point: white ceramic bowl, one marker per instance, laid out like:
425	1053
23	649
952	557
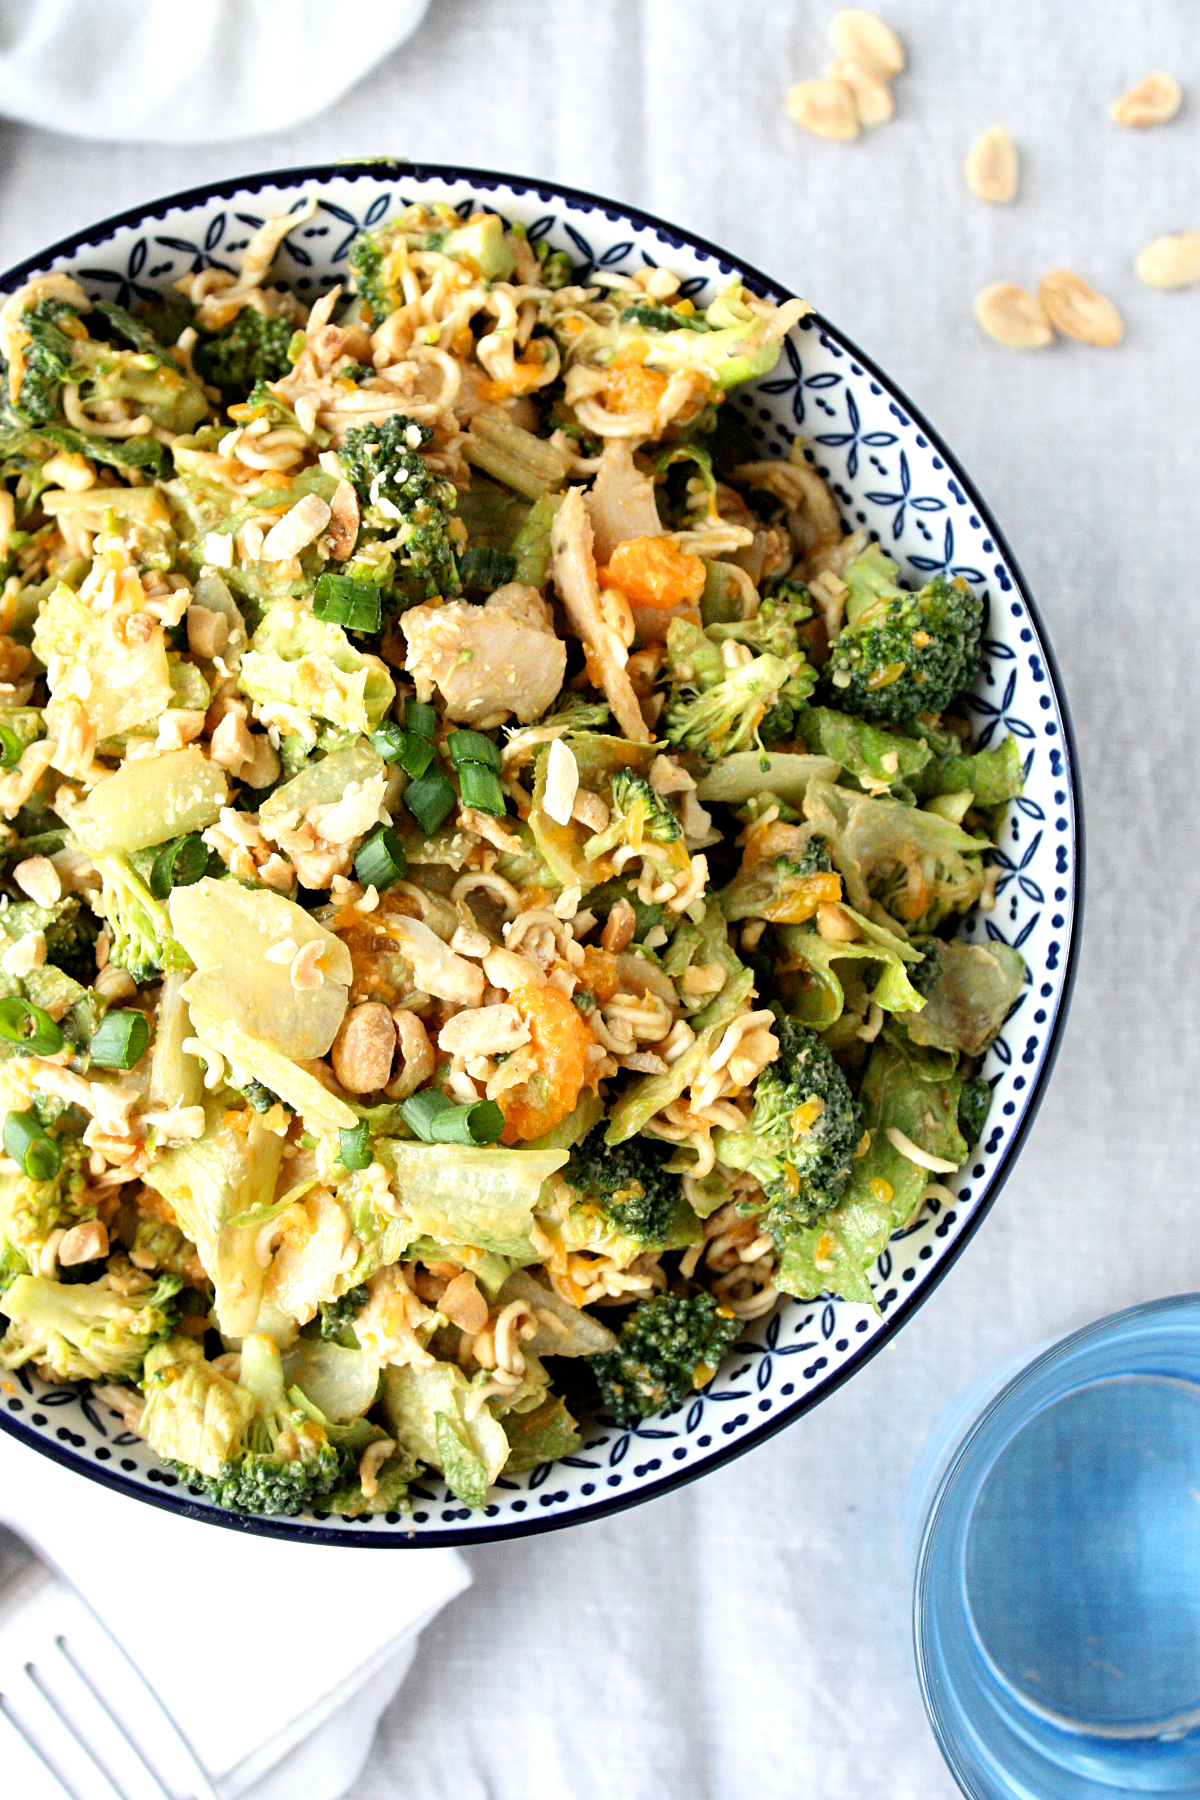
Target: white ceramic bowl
891	473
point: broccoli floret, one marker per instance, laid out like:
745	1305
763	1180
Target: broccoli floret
773	632
401	496
902	654
142	940
727	716
253	1446
669	1347
70	930
637	813
765	889
370	260
730	342
814	859
53	331
924	975
803	1132
249	349
337	1316
627	1182
31	1210
85	1331
259	1097
558	271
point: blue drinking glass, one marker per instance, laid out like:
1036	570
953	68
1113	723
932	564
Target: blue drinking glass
1053	1533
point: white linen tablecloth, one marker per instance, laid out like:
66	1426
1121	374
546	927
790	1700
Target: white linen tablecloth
749	1637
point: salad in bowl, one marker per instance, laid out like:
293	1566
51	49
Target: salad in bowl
483	847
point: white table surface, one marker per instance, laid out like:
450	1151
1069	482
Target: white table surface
749	1636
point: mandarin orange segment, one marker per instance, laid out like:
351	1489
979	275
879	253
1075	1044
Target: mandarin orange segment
599	973
654	571
630	388
560	1040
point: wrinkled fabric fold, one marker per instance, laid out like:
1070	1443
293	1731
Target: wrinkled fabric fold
274	1704
149	71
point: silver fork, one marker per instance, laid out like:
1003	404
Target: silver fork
76	1717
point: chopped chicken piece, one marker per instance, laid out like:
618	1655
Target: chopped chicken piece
487	661
621	502
579	591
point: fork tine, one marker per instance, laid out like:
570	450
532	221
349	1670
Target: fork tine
202	1788
68	1726
64	1650
29	1744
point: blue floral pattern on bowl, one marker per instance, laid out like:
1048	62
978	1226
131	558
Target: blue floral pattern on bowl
891	474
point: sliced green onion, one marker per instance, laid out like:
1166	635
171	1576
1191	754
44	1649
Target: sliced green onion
11	747
421	1109
472	746
479	1124
420	718
437	1120
417	756
120	1039
31	1147
430	800
481	788
178	864
381	860
483	567
396	745
340	600
388	740
28	1026
355	1147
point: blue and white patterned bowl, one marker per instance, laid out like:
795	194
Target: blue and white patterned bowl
892	474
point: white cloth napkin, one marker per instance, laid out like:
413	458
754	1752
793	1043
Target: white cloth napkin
138	71
287	1653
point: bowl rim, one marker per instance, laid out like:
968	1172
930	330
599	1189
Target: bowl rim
396	1537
